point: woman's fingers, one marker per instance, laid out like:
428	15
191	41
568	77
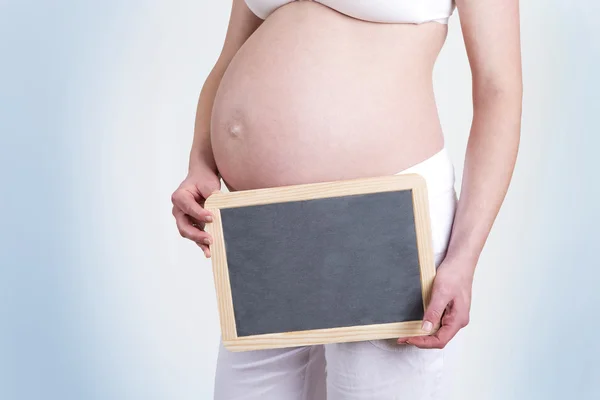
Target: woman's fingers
188	208
197	224
454	319
201	225
186	202
205	249
433	315
188	230
438	340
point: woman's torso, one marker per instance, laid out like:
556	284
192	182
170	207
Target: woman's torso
314	95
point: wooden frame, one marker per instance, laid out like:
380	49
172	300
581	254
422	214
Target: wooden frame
399	182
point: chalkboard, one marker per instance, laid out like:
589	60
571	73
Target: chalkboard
323	262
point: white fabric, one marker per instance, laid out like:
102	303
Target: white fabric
369	370
386	11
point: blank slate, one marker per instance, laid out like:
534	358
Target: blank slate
323	262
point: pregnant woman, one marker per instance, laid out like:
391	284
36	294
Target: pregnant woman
325	90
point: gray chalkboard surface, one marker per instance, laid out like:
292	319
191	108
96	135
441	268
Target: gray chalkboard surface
340	261
323	263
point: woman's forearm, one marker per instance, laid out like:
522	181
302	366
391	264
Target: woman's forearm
489	163
201	154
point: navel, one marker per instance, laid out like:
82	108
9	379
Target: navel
235	129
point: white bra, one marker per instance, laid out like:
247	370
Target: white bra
388	11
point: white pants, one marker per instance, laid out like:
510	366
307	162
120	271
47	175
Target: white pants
376	369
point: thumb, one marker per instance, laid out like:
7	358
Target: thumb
209	186
210	192
435	310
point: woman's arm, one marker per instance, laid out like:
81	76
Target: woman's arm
491	33
492	38
203	177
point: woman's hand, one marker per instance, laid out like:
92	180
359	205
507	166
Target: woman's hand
188	207
450	304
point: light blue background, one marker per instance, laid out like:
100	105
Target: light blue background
100	298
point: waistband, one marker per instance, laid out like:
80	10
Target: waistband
437	170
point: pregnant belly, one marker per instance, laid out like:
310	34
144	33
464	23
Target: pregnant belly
315	96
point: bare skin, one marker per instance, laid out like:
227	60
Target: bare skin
313	91
312	95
